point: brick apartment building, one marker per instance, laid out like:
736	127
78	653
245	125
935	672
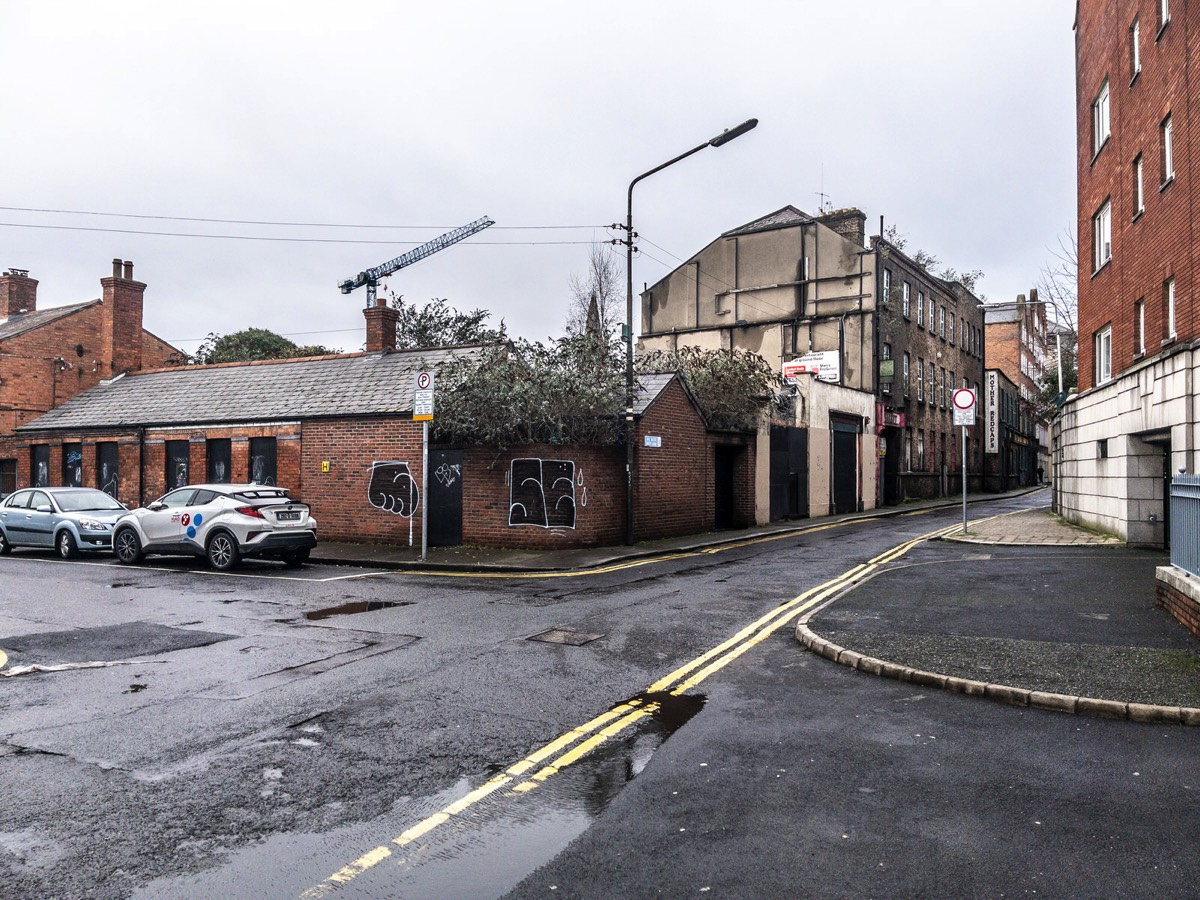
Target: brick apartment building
338	431
1134	420
889	342
1017	345
47	356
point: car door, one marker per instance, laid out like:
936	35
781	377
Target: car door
163	523
40	520
14	515
200	511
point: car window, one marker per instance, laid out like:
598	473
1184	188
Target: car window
78	501
203	497
19	500
181	497
40	499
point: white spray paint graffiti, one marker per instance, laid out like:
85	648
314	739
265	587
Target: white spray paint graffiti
393	489
542	493
448	474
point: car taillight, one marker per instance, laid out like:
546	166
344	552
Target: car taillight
250	511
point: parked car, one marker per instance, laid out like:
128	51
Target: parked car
69	519
223	522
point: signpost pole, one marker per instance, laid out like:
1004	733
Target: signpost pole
964	477
425	489
963	401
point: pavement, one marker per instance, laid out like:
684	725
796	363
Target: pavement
1051	616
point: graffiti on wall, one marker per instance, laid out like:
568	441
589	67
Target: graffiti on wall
448	474
74	468
393	489
544	492
259	471
108	479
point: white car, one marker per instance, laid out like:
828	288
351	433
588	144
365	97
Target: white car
223	522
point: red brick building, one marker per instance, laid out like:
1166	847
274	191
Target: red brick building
48	356
1134	420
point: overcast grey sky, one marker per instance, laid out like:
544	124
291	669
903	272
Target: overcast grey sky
954	120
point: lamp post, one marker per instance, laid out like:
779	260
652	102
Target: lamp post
723	138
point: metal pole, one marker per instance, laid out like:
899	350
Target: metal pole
964	477
424	488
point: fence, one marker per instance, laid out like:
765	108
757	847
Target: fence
1185	523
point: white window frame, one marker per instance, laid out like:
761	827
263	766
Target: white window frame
942	322
906	375
1102	236
1139	322
1135	50
920	309
1139	192
887	287
952	326
932	375
1169	298
920	380
907	299
1102	348
1167	133
1164	14
932	329
1101	118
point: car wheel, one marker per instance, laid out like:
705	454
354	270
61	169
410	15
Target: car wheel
65	543
5	546
128	547
296	558
223	552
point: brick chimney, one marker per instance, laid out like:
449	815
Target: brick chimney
850	223
381	326
121	331
18	293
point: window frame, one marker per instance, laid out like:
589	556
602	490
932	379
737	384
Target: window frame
920	380
1139	328
906	374
906	300
1139	187
1169	309
1166	137
920	309
1135	49
1164	16
1102	236
1101	118
1102	355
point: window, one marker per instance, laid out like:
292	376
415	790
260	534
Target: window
72	465
8	476
886	372
106	468
39	465
1102	236
176	464
929	373
1103	353
887	287
262	460
1169	307
931	326
1135	51
1167	137
220	461
907	297
920	307
951	329
942	322
906	389
1100	119
942	388
1139	194
1102	448
1139	328
920	449
920	380
1164	15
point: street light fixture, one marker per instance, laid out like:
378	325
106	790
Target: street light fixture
720	140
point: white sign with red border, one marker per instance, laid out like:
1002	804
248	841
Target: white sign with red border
825	364
964	406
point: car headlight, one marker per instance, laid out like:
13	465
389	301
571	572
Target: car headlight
93	525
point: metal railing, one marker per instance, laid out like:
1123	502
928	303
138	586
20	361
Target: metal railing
1185	523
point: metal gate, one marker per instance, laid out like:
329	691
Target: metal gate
789	473
445	498
845	466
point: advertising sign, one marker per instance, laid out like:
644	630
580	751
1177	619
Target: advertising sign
991	421
825	364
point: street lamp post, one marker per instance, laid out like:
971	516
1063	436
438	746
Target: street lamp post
723	138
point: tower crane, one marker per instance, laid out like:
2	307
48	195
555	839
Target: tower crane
371	277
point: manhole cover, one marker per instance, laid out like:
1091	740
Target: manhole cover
105	644
563	636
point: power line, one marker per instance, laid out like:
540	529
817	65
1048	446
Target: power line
293	240
88	212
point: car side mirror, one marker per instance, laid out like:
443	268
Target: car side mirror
156	505
45	507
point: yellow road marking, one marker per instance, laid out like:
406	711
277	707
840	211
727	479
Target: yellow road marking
612	722
3	659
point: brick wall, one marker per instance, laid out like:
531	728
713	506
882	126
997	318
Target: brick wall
1147	249
1185	609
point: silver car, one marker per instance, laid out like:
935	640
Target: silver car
69	519
223	522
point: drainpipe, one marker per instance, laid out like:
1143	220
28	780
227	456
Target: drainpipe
141	466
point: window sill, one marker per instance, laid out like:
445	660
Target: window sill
1137	215
1166	184
1139	356
1100	149
1103	266
1161	29
1168	341
1133	80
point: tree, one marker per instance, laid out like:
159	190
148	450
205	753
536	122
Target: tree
602	288
252	344
733	388
1058	288
438	324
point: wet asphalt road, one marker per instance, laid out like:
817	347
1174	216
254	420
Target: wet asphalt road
282	749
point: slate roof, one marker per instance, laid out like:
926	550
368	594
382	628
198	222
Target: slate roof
781	218
362	384
15	325
648	388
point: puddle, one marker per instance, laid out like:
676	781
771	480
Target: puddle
481	852
359	606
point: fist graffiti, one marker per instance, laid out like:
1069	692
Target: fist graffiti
393	489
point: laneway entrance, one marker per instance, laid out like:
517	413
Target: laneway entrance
724	493
845	464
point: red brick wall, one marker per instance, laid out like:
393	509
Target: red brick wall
1182	607
1156	245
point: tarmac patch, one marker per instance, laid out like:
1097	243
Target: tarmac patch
105	643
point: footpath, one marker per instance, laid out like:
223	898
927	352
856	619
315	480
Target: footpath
1050	615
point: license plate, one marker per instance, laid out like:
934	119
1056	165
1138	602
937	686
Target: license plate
288	516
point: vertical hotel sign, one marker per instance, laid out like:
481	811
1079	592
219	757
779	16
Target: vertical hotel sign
991	422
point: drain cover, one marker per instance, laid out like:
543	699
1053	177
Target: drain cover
563	636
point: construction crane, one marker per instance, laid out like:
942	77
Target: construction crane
371	277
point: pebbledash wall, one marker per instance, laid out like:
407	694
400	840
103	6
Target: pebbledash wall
334	464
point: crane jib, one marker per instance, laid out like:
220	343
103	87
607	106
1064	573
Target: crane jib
371	276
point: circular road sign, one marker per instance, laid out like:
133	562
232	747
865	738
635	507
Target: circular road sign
423	381
964	398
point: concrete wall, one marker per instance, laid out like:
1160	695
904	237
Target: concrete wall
816	403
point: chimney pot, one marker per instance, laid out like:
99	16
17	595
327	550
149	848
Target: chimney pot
128	270
116	268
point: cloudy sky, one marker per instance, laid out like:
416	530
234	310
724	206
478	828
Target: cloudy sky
158	132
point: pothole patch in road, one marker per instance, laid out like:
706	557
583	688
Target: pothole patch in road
565	636
358	606
105	643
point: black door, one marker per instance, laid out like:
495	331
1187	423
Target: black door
445	498
725	465
894	442
107	476
845	468
789	473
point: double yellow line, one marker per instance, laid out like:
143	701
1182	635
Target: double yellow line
581	740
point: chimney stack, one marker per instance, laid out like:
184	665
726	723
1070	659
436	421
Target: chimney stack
18	293
121	331
850	223
381	326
